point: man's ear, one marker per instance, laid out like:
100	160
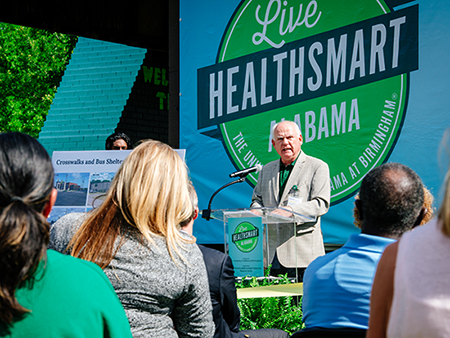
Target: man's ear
421	216
51	202
358	206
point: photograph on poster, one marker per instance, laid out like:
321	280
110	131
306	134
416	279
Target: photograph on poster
72	189
99	184
82	178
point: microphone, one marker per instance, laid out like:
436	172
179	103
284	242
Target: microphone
206	214
245	172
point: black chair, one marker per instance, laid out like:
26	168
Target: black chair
317	332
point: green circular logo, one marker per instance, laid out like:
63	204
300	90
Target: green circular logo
340	71
245	237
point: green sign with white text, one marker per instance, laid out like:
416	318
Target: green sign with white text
339	70
246	246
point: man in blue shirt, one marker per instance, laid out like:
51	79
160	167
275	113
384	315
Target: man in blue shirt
337	286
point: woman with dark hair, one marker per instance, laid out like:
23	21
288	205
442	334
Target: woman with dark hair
44	293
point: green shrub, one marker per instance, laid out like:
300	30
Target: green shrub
282	313
32	63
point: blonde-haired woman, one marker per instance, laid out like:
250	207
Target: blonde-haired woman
157	271
411	289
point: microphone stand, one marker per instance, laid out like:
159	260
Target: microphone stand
206	213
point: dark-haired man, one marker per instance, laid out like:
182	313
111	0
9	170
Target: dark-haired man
337	286
118	141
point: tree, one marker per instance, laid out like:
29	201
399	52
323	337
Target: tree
32	63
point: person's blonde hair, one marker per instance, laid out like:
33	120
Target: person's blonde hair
194	200
149	192
428	200
444	210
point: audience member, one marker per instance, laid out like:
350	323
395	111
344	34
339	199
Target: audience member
411	290
222	288
157	271
428	206
118	141
337	286
44	293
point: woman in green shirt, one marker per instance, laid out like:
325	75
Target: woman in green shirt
44	293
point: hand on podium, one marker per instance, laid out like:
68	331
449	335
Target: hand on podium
282	212
257	212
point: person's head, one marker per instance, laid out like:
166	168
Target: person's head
390	200
187	225
428	207
287	141
26	199
150	193
118	141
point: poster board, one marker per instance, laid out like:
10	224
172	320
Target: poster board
83	177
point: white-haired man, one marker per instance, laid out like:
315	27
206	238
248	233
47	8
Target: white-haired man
300	183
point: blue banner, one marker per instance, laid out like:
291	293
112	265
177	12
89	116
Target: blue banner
366	81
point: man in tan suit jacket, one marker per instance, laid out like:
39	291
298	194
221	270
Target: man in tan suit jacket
306	191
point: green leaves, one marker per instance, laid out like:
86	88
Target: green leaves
32	63
282	313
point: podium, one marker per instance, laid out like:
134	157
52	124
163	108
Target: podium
251	236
